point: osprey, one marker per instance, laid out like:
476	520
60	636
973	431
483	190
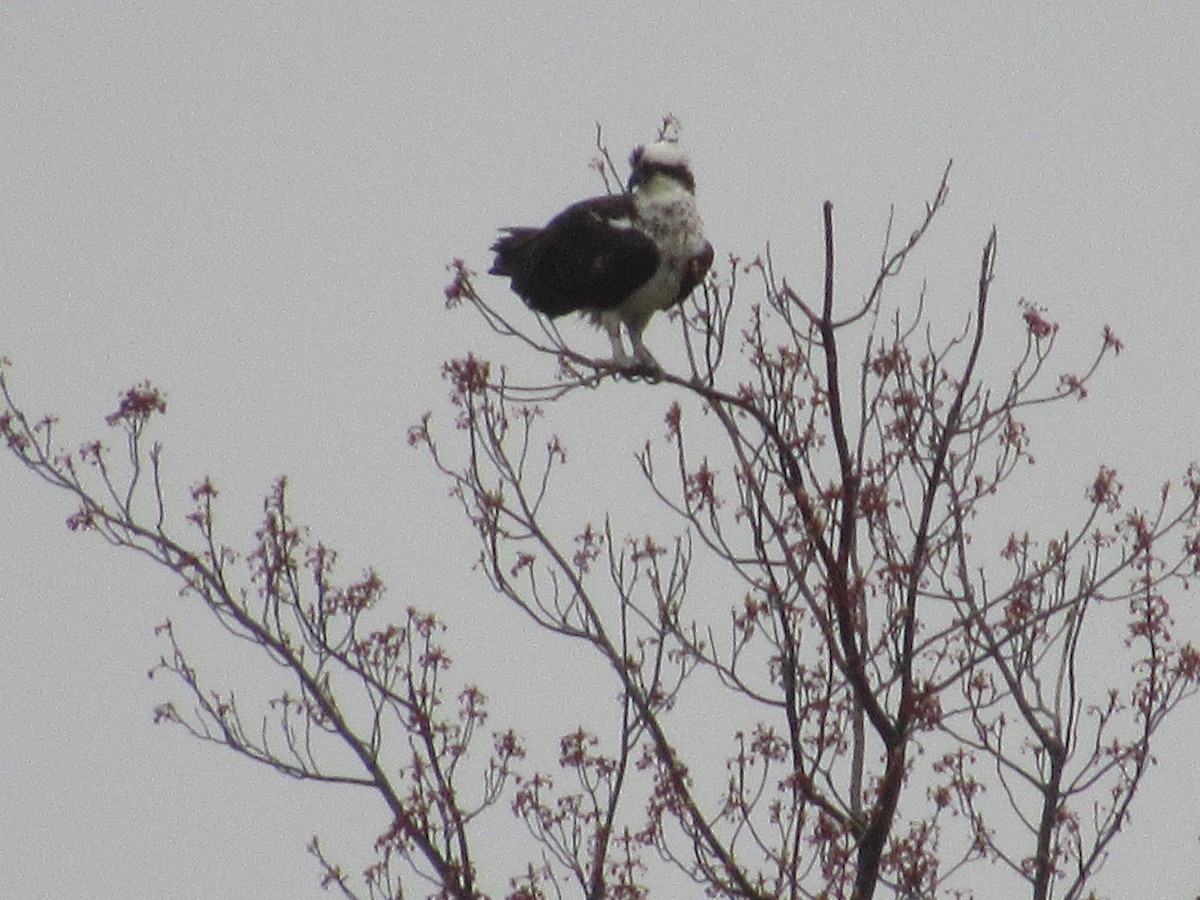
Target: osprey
618	259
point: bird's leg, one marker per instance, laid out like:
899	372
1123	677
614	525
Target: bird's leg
640	354
612	325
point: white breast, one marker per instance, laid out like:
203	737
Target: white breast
667	212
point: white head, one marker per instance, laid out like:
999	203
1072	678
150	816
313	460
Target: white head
660	158
667	154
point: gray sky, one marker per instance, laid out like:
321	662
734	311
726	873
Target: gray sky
253	204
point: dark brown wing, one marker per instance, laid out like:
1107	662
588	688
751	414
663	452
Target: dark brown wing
587	258
694	271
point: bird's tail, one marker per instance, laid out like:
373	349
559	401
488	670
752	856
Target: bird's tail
513	252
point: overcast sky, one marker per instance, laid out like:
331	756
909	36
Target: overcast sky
252	204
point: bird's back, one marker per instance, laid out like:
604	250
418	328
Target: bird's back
589	257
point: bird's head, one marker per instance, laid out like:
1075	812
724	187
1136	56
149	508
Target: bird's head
661	159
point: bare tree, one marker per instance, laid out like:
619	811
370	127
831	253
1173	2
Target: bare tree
903	704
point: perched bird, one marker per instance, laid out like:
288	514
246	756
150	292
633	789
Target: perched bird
618	259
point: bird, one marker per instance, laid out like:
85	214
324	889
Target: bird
619	258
